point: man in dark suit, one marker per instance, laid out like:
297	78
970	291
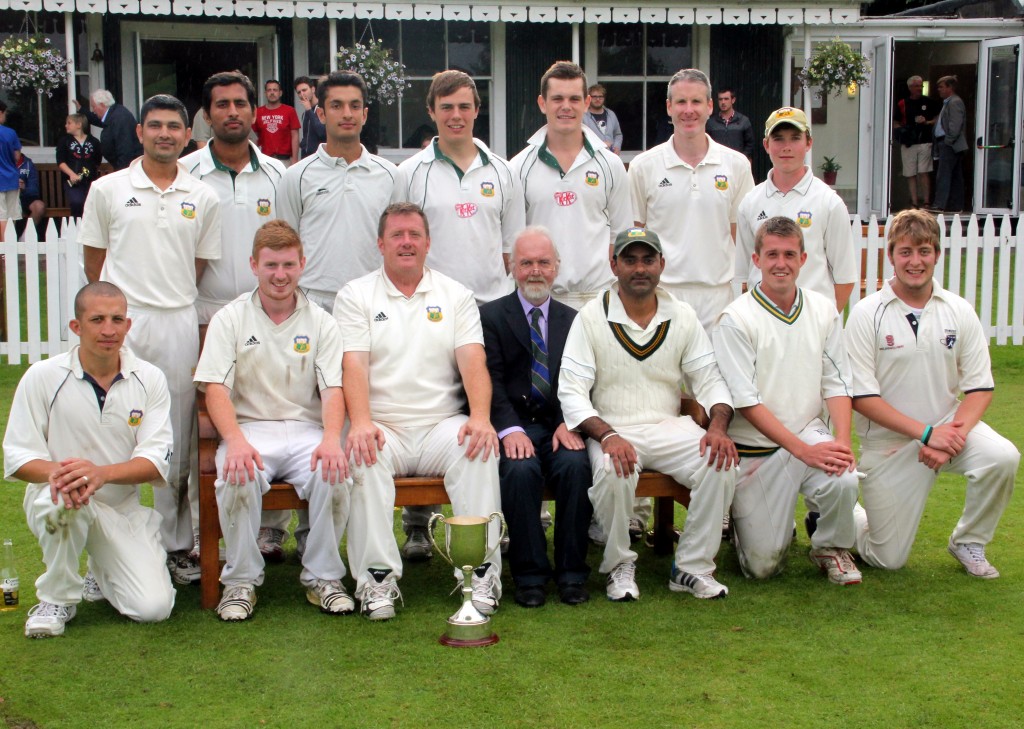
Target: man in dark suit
119	140
524	334
950	145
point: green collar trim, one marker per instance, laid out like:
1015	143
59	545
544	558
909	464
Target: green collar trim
636	351
768	306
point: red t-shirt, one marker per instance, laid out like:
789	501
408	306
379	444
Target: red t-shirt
274	129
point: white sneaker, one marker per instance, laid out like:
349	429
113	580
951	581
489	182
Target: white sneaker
622	583
271	543
486	589
417	545
184	568
194	553
47	620
330	597
596	534
378	599
237	603
705	587
91	591
637	528
972	557
545	518
837	563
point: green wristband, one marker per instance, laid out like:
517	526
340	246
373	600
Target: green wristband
927	435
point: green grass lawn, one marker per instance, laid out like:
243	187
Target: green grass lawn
927	646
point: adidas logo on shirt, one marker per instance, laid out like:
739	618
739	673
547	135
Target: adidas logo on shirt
133	203
381	316
762	216
251	341
665	183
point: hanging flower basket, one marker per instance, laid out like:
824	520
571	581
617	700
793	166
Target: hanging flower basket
384	76
833	67
30	63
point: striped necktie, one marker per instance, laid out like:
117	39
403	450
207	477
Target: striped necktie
540	377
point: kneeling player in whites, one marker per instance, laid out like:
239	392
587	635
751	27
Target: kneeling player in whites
271	370
914	348
630	354
780	349
86	428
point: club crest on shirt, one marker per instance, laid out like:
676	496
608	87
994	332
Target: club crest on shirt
134	418
434	313
803	219
949	339
487	189
188	210
890	343
721	182
263	206
591	178
301	344
465	210
565	199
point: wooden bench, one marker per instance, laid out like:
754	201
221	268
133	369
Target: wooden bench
51	188
408	492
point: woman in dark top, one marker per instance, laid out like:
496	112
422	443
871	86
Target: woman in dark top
78	156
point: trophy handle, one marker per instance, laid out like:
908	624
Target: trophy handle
504	531
434	518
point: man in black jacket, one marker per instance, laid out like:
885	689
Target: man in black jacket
119	140
524	334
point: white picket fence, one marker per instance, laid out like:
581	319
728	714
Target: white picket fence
997	292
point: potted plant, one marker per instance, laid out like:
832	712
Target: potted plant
830	170
833	66
30	63
384	76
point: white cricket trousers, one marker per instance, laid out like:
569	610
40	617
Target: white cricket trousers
672	447
286	448
169	339
897	486
432	450
766	494
707	301
125	554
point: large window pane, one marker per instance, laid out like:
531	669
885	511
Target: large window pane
423	47
415	119
23	106
318	45
668	49
626	99
469	48
620	49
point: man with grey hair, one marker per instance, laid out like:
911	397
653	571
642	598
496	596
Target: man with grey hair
119	142
524	334
915	116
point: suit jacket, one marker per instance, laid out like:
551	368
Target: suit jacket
119	142
953	117
509	360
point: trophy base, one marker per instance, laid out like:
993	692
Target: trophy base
468	629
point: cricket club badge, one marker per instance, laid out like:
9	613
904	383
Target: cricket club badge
591	178
487	189
135	418
803	219
949	338
263	206
301	344
721	182
188	210
434	313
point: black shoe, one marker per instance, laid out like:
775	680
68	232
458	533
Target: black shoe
530	596
811	523
573	593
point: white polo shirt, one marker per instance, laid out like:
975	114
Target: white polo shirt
152	236
922	375
825	221
56	415
474	215
414	378
691	209
584	207
335	206
789	361
248	199
274	371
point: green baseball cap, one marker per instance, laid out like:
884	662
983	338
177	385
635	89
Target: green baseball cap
636	235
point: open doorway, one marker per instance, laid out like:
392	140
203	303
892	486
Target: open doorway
931	60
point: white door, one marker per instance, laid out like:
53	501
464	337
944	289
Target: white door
997	154
880	131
